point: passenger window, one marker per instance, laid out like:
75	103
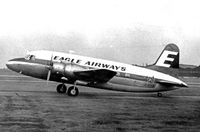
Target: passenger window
127	75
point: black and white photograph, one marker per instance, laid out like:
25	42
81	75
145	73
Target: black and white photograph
99	66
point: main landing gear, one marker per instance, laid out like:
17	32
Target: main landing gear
71	91
61	88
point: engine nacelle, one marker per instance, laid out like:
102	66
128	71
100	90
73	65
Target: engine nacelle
67	70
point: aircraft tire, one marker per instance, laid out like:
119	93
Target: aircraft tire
61	88
159	94
72	91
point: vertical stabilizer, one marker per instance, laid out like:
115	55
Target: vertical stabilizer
169	57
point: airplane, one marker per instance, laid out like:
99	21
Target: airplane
76	70
168	62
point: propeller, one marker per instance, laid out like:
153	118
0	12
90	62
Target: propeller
50	68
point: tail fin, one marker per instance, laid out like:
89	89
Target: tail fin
169	57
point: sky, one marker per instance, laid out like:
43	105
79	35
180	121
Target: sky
129	31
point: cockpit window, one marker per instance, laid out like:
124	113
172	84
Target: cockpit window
27	57
30	57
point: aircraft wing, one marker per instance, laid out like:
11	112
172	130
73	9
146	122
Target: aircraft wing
96	75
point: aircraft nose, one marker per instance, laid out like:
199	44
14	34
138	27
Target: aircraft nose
9	64
13	65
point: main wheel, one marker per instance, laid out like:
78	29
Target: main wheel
72	91
61	88
159	94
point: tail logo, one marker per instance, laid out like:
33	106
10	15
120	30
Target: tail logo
166	58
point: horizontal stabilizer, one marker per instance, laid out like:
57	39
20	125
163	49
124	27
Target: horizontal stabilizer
169	83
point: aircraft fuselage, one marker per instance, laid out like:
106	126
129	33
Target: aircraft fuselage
128	78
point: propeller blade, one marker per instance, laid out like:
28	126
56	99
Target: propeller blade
48	76
50	68
51	61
